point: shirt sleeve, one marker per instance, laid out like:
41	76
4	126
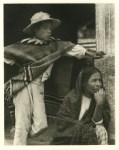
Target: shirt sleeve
9	61
98	122
102	135
77	51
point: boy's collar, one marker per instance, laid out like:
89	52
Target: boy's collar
37	41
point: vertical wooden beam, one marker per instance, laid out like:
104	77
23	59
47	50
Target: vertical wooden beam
105	28
100	30
112	28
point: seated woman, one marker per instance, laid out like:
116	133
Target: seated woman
84	116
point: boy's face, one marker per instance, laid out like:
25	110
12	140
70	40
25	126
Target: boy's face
43	31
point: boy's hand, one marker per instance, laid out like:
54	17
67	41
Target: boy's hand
95	54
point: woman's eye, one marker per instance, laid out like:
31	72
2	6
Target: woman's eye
94	80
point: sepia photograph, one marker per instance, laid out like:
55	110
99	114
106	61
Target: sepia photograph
59	74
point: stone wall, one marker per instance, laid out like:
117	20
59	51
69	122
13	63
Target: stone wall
107	67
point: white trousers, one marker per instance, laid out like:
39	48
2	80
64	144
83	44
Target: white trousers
30	112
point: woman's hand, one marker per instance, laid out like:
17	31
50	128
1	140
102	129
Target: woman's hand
100	97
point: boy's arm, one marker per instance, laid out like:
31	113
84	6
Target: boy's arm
80	52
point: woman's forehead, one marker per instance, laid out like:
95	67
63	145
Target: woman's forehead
95	75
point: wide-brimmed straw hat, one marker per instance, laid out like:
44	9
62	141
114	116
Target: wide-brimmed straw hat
41	17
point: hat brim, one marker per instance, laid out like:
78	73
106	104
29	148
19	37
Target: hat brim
29	28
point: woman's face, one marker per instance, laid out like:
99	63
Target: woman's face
43	31
94	84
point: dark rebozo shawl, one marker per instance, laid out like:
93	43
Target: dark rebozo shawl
33	61
80	132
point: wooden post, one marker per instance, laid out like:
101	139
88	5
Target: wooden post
105	28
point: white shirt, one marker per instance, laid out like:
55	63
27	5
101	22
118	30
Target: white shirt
85	103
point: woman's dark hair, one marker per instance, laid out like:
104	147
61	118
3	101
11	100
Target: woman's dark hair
86	74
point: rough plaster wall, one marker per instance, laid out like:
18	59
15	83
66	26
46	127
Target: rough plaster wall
106	65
